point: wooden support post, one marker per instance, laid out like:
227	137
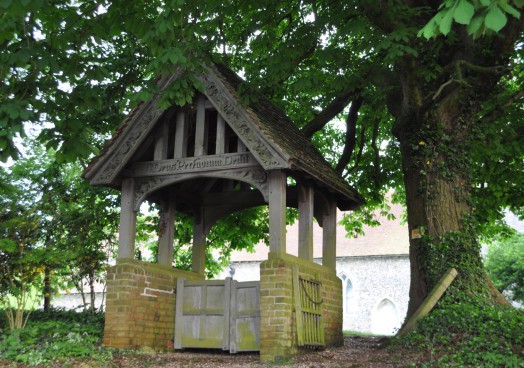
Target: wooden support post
180	135
305	221
329	236
220	147
161	141
430	301
166	232
199	245
127	229
201	129
277	212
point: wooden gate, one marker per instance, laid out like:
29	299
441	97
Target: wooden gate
308	310
218	314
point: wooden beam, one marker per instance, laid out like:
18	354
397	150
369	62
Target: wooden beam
430	301
329	236
166	231
127	228
161	141
305	220
277	212
199	245
181	135
201	129
220	146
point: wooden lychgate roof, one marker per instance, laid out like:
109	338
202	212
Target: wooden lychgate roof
237	137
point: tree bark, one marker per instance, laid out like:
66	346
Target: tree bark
351	131
92	291
436	167
47	289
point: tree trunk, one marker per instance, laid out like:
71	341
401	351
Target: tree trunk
436	168
92	291
80	288
47	290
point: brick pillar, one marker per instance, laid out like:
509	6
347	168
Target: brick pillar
276	311
332	309
278	340
140	306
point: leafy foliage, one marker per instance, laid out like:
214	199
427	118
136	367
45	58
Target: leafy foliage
505	266
479	16
56	337
470	335
75	67
53	222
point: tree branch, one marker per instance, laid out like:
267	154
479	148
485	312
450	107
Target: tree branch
333	109
361	138
376	158
351	129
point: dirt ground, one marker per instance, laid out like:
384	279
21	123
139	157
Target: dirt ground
358	351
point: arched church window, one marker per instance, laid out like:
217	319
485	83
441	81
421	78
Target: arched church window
349	295
385	319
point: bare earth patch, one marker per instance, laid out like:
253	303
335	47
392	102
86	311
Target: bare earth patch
358	351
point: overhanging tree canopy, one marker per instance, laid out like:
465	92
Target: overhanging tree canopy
453	103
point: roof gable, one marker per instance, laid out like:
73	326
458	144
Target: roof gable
259	134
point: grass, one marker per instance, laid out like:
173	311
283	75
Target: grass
358	333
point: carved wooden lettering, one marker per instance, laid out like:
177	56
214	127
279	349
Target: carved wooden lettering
193	164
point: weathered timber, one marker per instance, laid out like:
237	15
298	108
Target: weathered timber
305	220
277	212
430	301
193	164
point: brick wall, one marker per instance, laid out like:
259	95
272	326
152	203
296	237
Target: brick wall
140	306
278	340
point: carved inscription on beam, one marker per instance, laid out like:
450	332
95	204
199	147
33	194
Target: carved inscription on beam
193	164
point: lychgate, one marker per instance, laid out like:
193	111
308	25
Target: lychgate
209	159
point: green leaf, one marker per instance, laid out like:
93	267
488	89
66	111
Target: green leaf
430	30
509	9
25	114
5	3
495	19
475	25
173	57
463	12
445	23
13	112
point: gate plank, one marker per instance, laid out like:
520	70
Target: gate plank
223	314
245	316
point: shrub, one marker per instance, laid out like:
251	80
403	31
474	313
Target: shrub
55	336
470	335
